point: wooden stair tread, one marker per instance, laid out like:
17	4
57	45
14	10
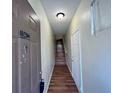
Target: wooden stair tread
61	81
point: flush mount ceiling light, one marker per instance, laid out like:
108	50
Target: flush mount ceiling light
60	15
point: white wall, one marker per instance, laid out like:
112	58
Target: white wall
96	50
47	42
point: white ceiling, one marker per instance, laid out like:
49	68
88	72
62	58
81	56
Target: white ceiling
52	7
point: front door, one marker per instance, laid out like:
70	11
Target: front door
24	66
35	67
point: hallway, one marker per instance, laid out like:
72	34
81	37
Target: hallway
61	46
61	81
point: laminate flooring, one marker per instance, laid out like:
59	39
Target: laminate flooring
62	81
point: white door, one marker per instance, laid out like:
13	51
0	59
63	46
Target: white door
75	49
24	66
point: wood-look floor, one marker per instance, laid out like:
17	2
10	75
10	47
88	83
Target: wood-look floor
61	81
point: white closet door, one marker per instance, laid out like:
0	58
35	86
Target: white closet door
76	58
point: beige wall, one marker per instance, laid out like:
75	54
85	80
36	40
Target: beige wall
96	50
47	43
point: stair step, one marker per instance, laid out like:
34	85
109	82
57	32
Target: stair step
60	63
60	60
71	88
60	57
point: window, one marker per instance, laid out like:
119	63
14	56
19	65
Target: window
93	17
100	15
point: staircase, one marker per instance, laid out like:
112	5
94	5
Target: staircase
60	55
61	81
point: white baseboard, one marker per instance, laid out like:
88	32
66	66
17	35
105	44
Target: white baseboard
69	68
72	76
46	90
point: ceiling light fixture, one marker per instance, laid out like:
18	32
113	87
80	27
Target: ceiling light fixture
60	15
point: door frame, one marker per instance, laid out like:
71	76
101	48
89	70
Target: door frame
81	59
